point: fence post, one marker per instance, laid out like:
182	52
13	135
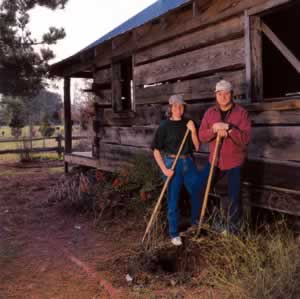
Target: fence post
59	147
67	118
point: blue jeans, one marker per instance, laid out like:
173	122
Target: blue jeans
234	187
187	174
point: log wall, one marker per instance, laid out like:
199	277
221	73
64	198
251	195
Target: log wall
187	54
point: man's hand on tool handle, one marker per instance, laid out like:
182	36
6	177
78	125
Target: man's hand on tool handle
222	133
220	126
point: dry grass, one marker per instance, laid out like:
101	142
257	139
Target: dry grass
254	265
261	264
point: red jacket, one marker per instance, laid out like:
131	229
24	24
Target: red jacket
233	149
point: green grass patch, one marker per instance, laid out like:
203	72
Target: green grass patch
54	170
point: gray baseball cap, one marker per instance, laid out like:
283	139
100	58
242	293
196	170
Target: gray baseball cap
176	99
223	85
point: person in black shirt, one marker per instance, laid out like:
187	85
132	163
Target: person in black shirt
165	145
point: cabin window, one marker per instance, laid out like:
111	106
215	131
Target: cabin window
122	85
275	51
280	76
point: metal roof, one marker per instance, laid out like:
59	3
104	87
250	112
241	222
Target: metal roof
153	11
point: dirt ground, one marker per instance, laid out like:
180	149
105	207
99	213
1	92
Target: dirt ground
48	252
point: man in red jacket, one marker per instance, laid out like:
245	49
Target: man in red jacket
232	123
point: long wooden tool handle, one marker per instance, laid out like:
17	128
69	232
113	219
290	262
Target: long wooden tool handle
156	208
211	171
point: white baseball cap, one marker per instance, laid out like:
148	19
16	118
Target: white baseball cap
223	85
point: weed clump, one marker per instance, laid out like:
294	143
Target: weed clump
255	265
106	195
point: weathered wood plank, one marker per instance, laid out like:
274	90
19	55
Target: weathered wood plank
274	142
230	29
280	143
210	59
135	136
248	63
258	117
103	54
75	69
276	117
265	172
257	172
256	59
199	6
153	114
275	106
124	44
267	6
114	157
196	89
261	114
282	202
116	87
81	159
142	116
177	23
258	178
102	76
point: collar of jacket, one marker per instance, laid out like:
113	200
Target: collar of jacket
217	108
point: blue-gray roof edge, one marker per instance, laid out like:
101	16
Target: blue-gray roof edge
150	13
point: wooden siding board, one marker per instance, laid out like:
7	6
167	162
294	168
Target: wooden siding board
116	87
275	142
211	35
153	114
210	59
103	55
268	5
276	117
103	76
178	23
256	59
256	172
124	44
200	88
142	116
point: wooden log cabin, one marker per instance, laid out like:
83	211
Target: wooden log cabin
185	47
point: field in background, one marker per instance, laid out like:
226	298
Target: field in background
25	131
5	134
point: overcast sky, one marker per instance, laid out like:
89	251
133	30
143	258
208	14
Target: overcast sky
84	21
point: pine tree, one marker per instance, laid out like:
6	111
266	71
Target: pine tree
22	66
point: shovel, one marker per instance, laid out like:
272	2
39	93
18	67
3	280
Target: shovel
211	172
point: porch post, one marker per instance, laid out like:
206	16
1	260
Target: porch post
67	118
